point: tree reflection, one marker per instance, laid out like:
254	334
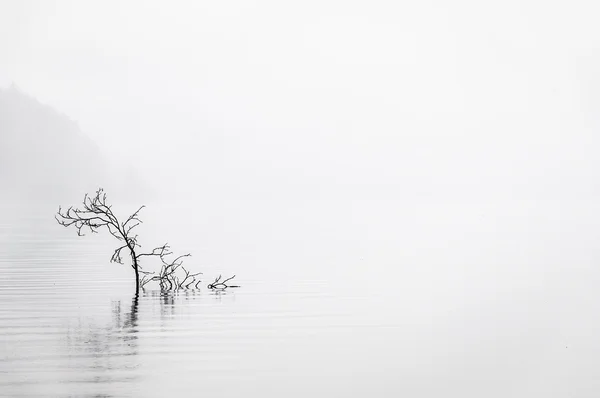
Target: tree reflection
106	355
168	300
127	321
104	349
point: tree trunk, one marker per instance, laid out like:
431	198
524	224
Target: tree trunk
135	268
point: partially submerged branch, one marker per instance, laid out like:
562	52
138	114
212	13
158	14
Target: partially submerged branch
221	285
168	277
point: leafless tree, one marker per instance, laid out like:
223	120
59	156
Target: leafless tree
97	214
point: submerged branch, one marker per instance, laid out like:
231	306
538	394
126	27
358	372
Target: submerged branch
221	285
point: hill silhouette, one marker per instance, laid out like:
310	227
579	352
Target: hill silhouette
43	153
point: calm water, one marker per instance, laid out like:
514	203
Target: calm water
352	299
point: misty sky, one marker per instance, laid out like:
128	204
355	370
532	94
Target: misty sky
336	101
396	98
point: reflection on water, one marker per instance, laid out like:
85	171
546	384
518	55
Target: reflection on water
109	351
98	348
385	311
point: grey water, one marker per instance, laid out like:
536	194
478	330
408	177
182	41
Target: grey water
352	298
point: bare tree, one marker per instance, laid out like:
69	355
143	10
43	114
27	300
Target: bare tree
97	214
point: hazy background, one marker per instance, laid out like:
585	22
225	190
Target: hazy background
323	98
431	168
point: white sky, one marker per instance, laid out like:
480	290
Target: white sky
258	96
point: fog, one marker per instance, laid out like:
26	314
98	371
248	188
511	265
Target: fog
444	153
232	98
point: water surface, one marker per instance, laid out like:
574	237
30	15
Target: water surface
352	299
